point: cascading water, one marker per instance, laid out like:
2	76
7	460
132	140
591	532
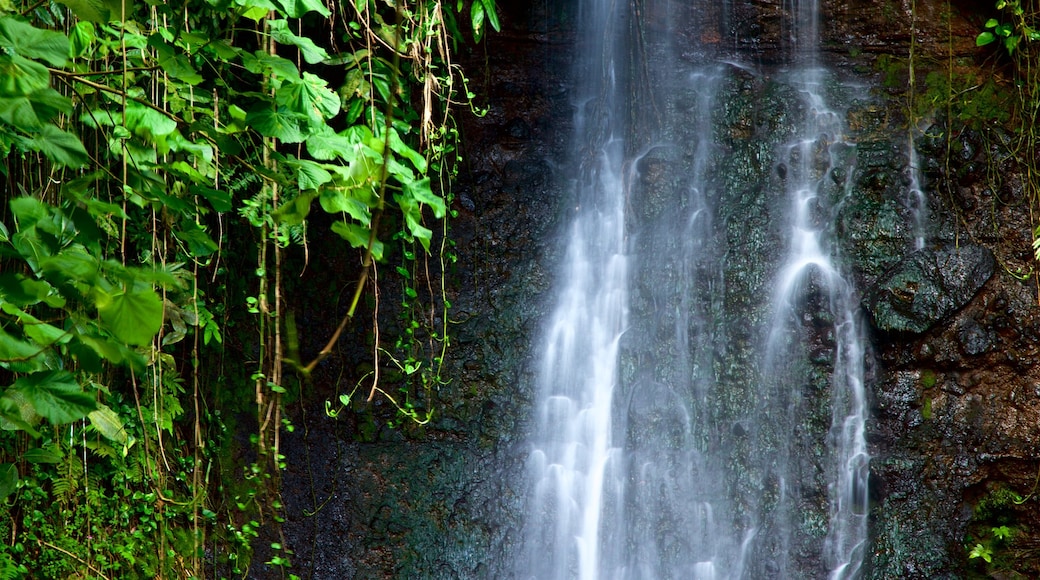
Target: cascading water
917	200
635	471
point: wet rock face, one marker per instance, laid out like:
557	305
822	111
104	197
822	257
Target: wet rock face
955	386
927	286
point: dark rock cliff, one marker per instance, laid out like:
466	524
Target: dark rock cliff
955	386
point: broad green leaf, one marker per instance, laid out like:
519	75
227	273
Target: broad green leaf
297	8
46	454
147	122
28	210
420	191
256	9
278	123
310	97
8	479
133	316
26	40
199	243
16	412
72	263
398	146
357	236
20	76
81	38
339	199
44	334
61	147
263	63
108	423
30	112
297	210
56	396
21	291
326	145
112	351
28	243
310	175
173	62
311	52
219	200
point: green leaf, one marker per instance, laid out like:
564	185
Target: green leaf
108	423
339	199
21	291
476	15
20	76
398	146
219	200
309	174
60	147
199	243
44	334
297	8
148	123
295	211
133	317
279	123
72	263
46	454
8	479
357	236
421	192
491	12
311	52
992	23
31	42
326	145
56	396
310	97
13	350
17	413
99	11
174	63
81	38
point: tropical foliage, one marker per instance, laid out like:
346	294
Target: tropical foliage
159	161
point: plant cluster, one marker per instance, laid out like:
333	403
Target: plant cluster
136	137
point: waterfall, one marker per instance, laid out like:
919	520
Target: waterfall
917	201
647	460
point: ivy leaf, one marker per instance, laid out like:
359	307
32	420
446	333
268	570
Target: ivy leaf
61	147
31	42
357	236
175	64
279	123
133	317
311	52
56	396
294	212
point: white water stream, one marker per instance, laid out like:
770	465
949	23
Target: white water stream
630	477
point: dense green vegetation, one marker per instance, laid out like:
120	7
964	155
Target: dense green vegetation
159	161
